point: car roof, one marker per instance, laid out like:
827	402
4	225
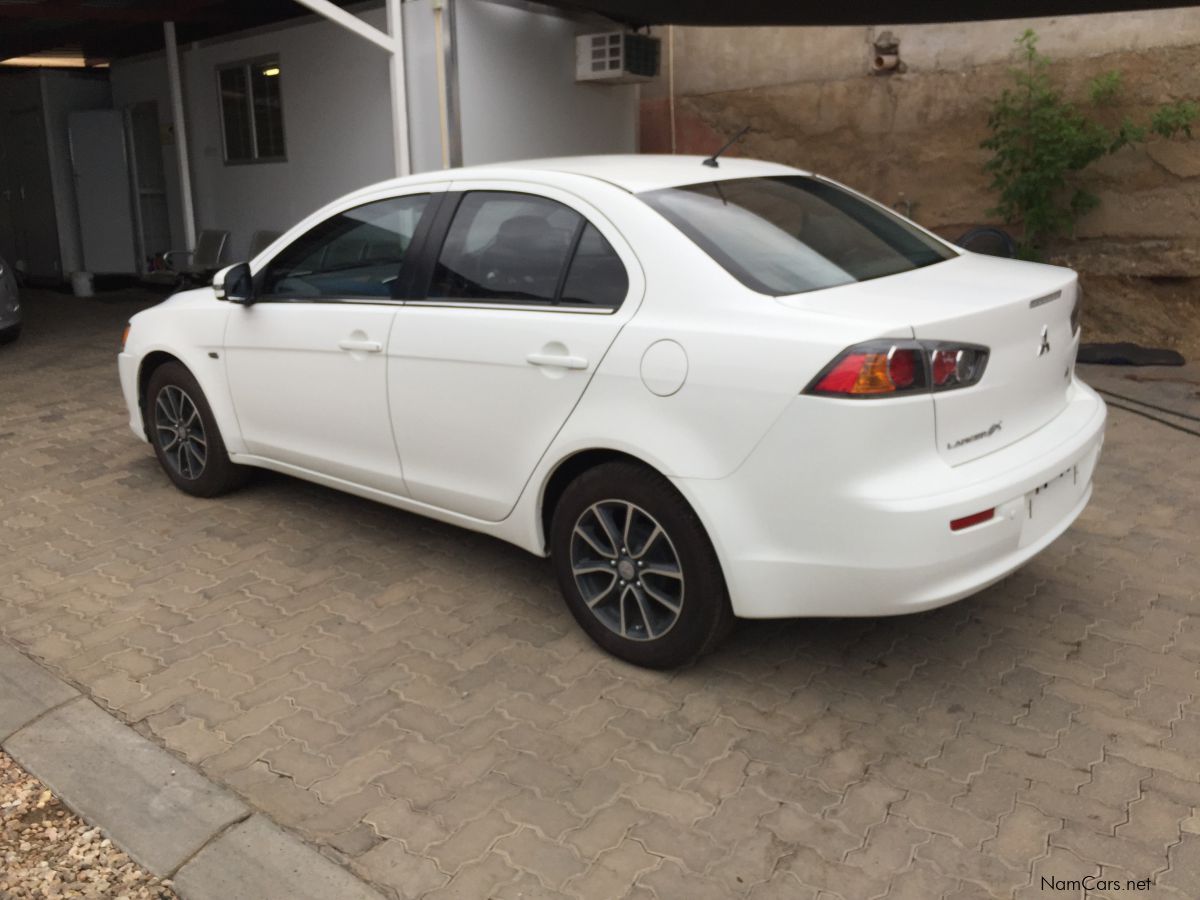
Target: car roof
634	172
647	172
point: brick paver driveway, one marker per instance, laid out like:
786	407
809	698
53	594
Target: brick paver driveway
416	699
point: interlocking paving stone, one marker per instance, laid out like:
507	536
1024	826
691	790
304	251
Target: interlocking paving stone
417	698
155	807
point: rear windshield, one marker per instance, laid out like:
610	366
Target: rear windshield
791	233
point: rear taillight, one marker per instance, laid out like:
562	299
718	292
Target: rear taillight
1077	310
888	368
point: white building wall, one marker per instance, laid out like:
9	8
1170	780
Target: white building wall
516	81
336	123
520	100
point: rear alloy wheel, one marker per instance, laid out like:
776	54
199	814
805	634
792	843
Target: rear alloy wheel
184	433
626	570
636	567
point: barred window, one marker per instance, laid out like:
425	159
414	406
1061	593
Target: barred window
251	111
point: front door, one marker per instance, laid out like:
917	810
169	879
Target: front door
306	362
527	293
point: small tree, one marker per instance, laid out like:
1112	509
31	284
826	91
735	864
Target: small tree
1040	140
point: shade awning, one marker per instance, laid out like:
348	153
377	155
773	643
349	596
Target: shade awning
844	12
116	28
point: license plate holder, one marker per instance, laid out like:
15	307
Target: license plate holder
1049	496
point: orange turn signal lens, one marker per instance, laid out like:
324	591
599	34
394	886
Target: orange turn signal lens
124	337
873	376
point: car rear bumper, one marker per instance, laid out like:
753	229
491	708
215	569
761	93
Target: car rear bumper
798	534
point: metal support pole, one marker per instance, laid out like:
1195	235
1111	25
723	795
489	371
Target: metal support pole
439	41
671	82
395	21
181	146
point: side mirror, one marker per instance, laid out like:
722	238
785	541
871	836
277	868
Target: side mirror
235	284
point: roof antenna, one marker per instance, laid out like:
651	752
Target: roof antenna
711	162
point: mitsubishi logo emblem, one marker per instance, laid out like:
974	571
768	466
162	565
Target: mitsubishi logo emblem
1045	345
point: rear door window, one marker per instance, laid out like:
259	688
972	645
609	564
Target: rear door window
511	248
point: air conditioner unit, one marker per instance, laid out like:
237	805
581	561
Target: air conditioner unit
616	57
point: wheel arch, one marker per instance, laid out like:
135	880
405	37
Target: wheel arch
575	464
567	470
150	363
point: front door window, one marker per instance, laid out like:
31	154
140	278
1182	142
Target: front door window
354	254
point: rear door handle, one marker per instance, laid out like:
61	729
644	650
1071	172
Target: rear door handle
360	345
554	359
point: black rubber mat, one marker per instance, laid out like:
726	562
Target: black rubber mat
1128	354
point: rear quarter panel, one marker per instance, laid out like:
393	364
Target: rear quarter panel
748	357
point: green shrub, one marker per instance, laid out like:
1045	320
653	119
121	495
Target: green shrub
1040	140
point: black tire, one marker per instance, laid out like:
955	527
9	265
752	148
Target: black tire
635	626
198	464
8	335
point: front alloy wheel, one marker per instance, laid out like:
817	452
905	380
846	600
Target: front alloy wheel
184	434
179	431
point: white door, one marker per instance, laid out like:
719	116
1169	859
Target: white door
306	362
527	293
100	162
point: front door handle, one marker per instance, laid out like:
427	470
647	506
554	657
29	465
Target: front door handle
360	345
556	360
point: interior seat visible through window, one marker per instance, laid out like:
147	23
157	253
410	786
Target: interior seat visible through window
507	247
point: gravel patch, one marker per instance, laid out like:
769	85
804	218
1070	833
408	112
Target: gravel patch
46	851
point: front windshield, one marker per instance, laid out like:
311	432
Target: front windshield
792	233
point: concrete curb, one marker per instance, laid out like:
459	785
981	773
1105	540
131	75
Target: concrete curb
162	812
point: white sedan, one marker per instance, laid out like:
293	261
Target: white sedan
704	392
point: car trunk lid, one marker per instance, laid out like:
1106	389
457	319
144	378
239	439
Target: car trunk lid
1020	311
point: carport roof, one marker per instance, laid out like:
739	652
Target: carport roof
116	28
844	12
111	29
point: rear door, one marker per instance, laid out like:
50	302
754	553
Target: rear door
526	290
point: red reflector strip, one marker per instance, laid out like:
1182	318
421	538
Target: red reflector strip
973	519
